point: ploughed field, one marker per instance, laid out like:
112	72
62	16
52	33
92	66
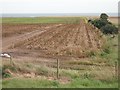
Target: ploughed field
75	40
13	29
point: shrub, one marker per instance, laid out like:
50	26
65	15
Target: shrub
109	29
99	23
6	75
104	25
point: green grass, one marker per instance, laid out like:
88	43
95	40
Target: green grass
44	83
89	83
31	83
110	50
41	20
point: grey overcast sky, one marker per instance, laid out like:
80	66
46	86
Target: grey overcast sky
58	6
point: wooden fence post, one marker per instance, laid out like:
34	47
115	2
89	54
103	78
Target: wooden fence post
57	68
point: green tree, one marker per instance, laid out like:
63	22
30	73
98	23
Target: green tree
104	16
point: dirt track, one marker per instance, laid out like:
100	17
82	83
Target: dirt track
7	42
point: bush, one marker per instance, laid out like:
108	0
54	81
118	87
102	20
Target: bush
109	29
99	23
6	75
104	25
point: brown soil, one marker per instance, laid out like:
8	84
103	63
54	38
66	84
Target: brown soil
15	33
18	29
76	40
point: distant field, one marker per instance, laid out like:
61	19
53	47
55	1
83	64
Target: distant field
34	20
114	20
41	20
